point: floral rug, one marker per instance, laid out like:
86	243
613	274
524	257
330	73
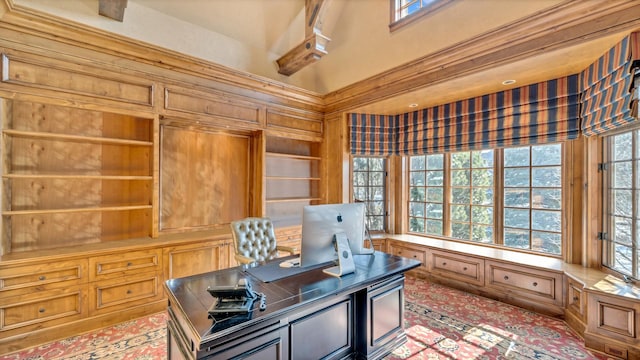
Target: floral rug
140	339
444	323
441	323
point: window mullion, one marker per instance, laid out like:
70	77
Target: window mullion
446	212
498	195
634	210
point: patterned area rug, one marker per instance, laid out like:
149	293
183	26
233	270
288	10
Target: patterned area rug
139	339
444	323
441	323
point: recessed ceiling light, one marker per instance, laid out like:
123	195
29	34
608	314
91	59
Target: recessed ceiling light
508	82
413	105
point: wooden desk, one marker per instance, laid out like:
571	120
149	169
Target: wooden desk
308	316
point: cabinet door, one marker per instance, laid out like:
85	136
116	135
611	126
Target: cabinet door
385	316
197	258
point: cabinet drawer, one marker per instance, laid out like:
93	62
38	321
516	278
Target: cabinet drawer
408	252
575	298
117	265
534	284
464	268
55	306
116	294
26	279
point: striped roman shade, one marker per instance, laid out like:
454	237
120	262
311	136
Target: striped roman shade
373	134
607	86
535	114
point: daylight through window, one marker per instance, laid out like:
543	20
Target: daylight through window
369	176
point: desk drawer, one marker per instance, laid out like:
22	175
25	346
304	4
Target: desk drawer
117	294
27	279
121	264
464	268
531	283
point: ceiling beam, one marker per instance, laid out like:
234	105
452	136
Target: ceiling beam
113	9
314	45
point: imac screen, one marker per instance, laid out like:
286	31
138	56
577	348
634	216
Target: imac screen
321	222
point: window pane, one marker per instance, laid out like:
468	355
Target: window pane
482	159
416	194
360	164
546	177
516	197
368	186
434	211
546	155
460	177
546	220
376	223
360	178
376	178
435	178
434	227
360	193
482	177
546	242
623	259
516	218
416	209
516	238
460	160
482	233
460	212
460	196
622	230
482	196
376	164
547	198
621	145
482	215
460	231
435	194
622	174
622	202
435	162
516	177
516	156
416	224
417	163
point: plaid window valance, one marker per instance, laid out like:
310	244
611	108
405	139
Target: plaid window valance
607	84
539	113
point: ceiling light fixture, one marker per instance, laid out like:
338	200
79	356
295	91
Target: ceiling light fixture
413	105
508	82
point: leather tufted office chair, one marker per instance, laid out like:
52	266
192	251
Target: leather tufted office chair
255	240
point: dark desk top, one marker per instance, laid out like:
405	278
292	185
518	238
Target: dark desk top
190	299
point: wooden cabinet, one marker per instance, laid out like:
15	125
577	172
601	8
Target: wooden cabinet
73	177
292	174
410	251
197	258
576	305
468	269
20	280
613	324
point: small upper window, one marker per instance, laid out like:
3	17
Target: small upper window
406	11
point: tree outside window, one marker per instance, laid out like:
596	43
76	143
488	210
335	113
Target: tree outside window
369	186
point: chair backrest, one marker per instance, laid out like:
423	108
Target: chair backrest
255	238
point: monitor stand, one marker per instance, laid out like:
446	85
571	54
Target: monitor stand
345	258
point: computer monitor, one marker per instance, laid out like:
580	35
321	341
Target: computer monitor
321	222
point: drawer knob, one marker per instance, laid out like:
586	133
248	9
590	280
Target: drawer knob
129	291
575	298
444	263
535	283
41	310
42	277
464	268
129	264
506	277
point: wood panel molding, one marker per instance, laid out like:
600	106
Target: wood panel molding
567	24
22	19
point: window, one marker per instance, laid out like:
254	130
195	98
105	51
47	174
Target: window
406	11
453	195
369	179
621	202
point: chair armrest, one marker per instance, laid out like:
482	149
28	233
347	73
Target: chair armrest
289	249
244	259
